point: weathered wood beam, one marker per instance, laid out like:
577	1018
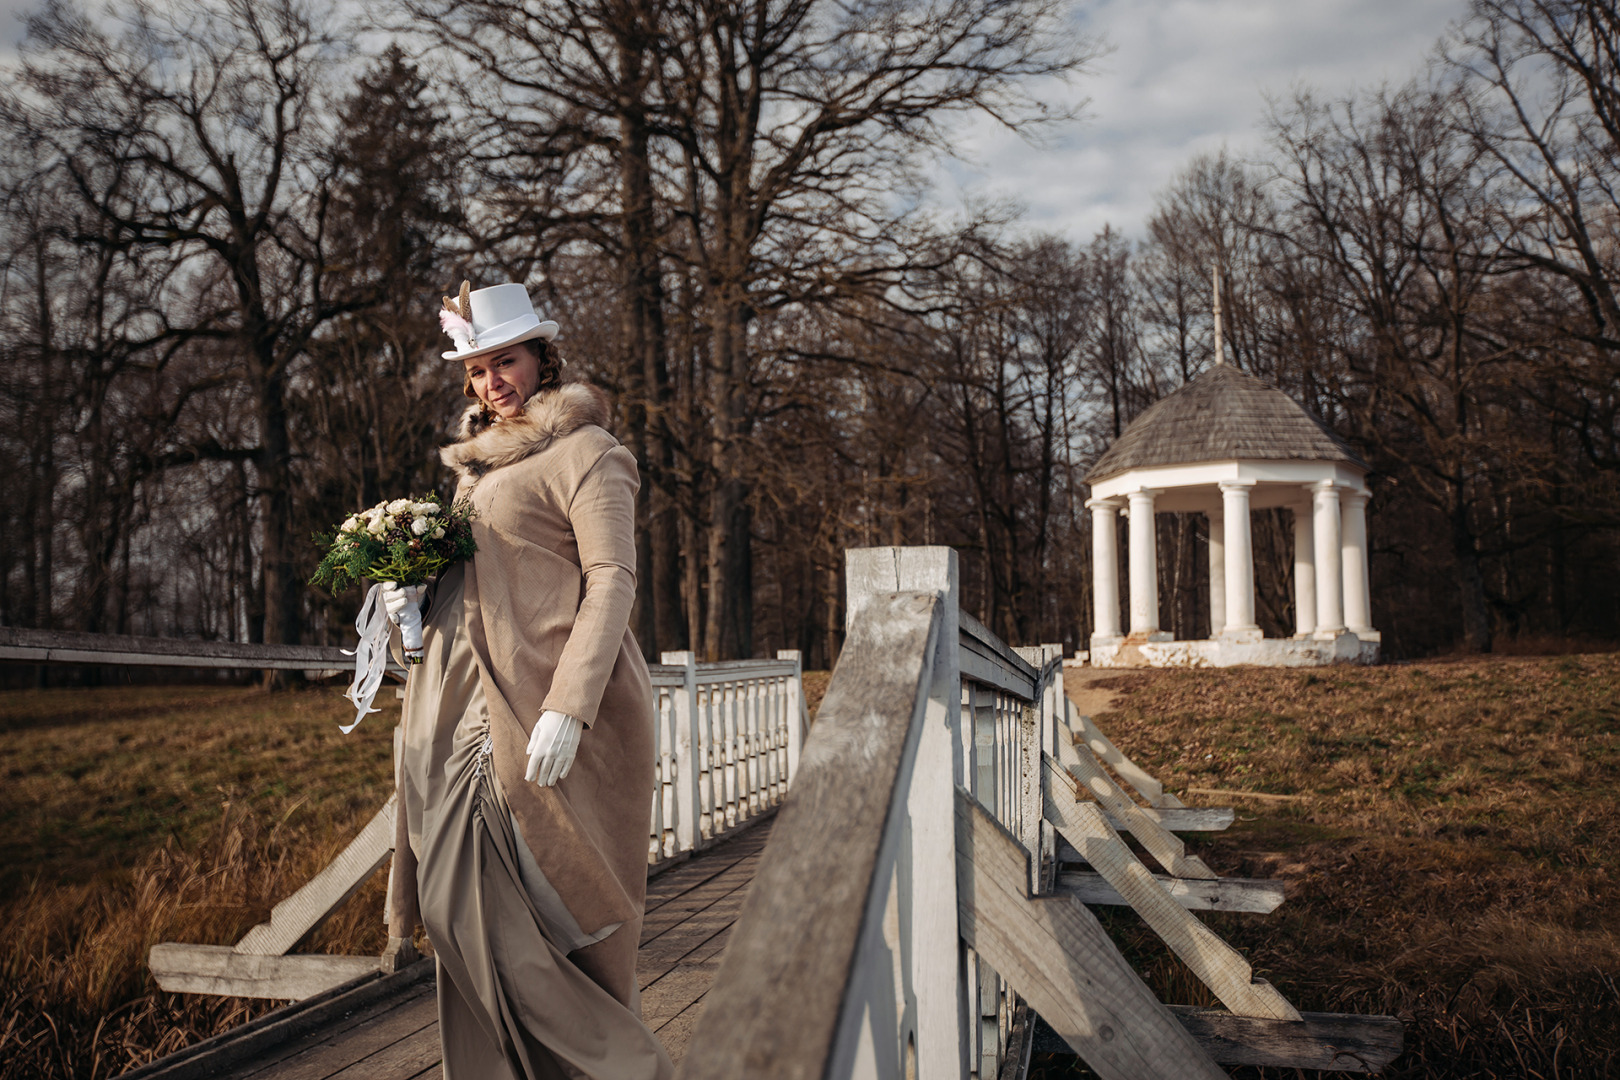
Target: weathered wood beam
1219	966
292	920
775	1008
220	969
1258	896
1332	1042
1020	1044
1056	956
983	665
257	1040
1336	1042
981	636
65	647
922	884
1191	818
1133	774
1077	769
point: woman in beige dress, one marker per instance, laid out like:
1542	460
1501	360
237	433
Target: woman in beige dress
527	771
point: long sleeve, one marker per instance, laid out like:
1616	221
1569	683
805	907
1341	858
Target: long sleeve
603	516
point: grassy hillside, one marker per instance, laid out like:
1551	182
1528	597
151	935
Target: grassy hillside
1449	836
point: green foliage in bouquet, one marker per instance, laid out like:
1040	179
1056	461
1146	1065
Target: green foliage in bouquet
404	540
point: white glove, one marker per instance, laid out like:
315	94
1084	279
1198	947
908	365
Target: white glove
404	606
552	746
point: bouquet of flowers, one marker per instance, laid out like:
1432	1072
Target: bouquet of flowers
405	541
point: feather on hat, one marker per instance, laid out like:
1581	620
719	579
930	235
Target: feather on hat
486	320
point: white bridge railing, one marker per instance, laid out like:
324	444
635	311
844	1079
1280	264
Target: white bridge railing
728	740
924	892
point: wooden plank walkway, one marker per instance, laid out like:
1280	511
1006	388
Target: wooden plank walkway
691	909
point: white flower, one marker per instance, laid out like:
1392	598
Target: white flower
426	508
399	506
377	526
351	524
438	534
419	526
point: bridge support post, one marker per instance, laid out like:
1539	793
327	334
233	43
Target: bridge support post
688	767
797	716
940	1047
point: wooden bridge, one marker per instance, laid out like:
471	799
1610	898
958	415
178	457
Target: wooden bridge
386	1027
916	903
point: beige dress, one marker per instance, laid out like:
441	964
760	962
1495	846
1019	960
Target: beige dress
512	1004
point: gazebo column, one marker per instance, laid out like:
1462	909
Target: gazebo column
1217	572
1329	561
1104	568
1304	572
1144	563
1239	553
1357	594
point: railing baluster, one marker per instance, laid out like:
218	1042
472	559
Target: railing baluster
655	841
713	771
728	718
751	701
725	746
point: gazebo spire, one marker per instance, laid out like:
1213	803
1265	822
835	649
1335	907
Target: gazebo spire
1220	342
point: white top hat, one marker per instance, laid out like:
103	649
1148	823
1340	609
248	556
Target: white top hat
486	320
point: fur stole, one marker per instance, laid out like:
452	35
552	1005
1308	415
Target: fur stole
486	444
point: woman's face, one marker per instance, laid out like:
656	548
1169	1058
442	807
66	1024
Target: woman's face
506	379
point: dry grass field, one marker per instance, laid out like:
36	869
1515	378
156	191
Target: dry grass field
1449	835
1449	838
133	815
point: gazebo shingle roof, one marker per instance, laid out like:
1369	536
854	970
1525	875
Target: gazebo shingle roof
1221	415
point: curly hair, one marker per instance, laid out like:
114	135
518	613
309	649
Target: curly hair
550	369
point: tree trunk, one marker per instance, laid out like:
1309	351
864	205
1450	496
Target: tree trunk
659	623
729	552
282	584
1476	613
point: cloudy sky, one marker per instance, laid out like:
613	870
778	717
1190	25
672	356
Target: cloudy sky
1186	76
1182	76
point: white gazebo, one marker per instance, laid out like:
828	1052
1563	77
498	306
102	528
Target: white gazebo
1223	445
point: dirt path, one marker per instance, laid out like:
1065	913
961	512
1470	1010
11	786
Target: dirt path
1096	690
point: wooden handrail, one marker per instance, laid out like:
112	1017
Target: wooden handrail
729	738
976	632
806	933
67	647
722	671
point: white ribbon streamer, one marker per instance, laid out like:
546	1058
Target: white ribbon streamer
370	656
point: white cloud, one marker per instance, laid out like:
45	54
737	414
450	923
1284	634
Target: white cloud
1187	76
13	14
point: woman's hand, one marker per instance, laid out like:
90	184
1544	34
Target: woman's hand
552	746
404	606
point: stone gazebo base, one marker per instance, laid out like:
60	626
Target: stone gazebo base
1158	650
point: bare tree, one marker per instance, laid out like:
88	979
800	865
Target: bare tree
198	133
1542	100
1395	208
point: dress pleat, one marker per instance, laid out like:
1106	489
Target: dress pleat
512	1005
